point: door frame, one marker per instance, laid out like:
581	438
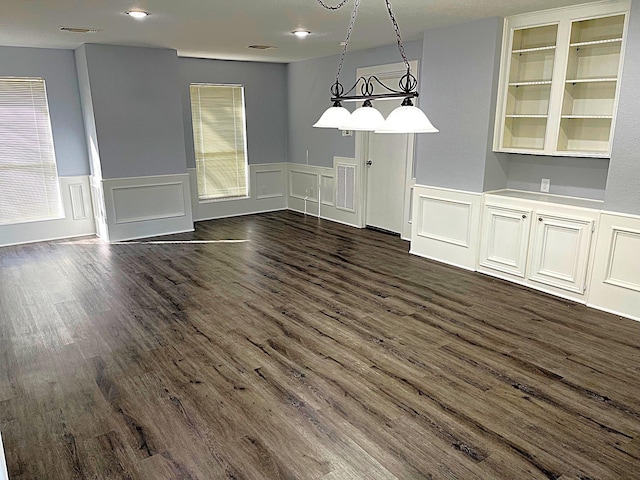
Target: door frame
392	70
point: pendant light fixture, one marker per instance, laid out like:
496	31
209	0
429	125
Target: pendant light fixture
405	119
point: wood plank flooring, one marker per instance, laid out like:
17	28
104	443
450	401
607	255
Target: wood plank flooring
278	346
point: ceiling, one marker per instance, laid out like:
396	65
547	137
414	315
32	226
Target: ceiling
223	29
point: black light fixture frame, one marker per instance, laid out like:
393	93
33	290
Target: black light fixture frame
408	83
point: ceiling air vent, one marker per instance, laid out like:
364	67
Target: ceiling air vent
79	30
261	47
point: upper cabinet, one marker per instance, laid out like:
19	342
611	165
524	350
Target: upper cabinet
559	80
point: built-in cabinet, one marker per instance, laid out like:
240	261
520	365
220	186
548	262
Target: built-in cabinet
559	80
541	241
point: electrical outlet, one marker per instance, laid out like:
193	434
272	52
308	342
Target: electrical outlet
347	133
545	184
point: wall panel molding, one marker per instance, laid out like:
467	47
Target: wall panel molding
446	225
319	185
615	279
140	207
77	221
268	189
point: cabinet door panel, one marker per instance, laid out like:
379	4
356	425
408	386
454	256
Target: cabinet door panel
560	252
505	239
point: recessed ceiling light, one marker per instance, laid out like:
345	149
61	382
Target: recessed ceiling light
137	13
301	33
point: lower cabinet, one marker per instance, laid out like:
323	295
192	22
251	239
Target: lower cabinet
538	244
504	243
560	252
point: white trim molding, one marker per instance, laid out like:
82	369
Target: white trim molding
4	475
267	193
77	220
446	225
615	280
140	207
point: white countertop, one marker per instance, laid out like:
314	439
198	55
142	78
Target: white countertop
548	198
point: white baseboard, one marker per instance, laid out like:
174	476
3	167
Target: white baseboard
141	207
77	221
457	265
267	193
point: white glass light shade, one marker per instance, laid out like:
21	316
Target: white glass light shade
333	117
407	119
364	119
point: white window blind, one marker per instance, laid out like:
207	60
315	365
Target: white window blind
219	139
29	188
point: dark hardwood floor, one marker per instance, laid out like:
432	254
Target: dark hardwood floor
303	349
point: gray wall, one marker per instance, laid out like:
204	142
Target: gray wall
58	69
623	184
575	177
309	83
459	73
137	110
265	91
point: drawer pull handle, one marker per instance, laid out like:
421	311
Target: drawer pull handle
524	216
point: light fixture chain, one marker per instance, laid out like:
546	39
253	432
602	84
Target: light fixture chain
330	7
354	14
398	36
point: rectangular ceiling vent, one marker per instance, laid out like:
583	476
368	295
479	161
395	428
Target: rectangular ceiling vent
80	30
261	47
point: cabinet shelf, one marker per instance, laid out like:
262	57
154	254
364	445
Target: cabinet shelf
587	116
526	116
596	42
531	50
592	80
526	84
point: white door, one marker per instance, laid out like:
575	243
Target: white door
389	163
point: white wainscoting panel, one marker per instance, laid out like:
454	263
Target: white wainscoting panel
446	225
78	205
322	191
615	280
141	207
267	193
303	185
138	203
268	184
327	190
77	221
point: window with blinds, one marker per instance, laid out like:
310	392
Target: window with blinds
29	188
219	138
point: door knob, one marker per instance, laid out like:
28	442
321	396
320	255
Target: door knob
369	163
